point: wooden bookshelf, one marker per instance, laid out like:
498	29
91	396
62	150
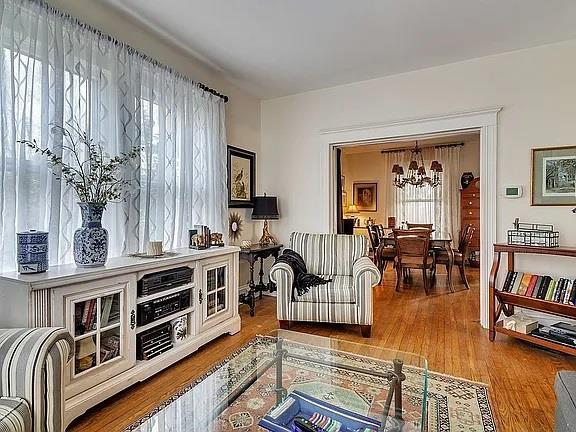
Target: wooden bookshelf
504	302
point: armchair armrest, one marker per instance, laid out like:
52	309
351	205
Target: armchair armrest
283	276
365	275
32	367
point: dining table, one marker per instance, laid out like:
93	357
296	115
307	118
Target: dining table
438	240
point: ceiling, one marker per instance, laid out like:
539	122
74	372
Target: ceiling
430	141
274	48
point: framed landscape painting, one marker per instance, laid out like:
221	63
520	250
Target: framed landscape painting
554	176
366	196
241	177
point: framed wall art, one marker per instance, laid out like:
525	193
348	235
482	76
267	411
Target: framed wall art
241	177
554	176
366	196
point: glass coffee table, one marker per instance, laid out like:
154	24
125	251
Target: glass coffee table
387	387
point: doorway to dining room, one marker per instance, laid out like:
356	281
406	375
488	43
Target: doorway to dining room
418	180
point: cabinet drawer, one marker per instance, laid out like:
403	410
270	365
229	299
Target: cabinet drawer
470	195
470	203
471	213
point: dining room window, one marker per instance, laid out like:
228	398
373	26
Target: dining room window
436	205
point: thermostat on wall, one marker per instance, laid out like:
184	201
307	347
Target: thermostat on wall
512	191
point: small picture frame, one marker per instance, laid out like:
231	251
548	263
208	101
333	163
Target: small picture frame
366	196
554	176
241	177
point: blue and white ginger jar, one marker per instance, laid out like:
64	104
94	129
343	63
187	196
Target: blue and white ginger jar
32	251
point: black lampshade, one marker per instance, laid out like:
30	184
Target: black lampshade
265	207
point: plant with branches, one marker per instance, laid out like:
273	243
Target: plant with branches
94	175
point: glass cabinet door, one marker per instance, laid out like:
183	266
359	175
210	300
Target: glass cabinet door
97	331
216	287
101	317
214	292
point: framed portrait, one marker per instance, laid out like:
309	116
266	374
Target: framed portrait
366	196
241	177
554	176
344	200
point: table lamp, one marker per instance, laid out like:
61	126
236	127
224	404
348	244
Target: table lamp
351	211
265	207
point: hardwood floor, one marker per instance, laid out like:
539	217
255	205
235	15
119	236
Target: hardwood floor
442	327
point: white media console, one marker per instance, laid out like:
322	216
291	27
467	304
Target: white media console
100	307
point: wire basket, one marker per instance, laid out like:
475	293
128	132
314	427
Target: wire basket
526	234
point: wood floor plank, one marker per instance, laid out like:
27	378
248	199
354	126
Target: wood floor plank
442	327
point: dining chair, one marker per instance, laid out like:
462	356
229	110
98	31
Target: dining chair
460	254
419	225
383	253
413	252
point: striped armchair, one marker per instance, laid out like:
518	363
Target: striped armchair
32	365
347	299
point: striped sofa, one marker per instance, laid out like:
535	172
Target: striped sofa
32	365
347	299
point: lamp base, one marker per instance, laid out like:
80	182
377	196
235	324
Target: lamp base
267	239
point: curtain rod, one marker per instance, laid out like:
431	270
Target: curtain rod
55	11
436	147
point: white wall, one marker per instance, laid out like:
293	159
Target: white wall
535	87
242	110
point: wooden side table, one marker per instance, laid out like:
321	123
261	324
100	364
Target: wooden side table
252	255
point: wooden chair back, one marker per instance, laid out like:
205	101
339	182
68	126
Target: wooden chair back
466	235
376	233
419	225
412	243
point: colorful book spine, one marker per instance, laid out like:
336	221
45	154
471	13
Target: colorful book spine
508	281
537	286
559	290
572	300
551	290
543	287
524	284
531	285
568	293
517	282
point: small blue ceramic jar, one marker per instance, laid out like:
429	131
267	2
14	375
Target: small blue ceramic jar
32	251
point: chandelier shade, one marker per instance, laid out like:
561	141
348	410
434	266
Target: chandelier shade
417	175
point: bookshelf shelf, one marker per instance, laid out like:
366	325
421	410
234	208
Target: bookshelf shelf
532	339
504	302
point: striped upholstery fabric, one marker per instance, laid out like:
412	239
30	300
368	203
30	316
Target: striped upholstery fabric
15	415
329	254
340	290
32	363
343	258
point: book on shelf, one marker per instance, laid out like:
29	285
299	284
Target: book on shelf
524	284
572	300
551	290
106	308
541	287
517	281
531	285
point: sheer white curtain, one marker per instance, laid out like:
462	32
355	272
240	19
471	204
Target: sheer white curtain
449	192
438	206
54	70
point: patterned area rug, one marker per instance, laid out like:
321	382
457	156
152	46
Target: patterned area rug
227	398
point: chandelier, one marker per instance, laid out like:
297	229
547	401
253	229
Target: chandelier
416	175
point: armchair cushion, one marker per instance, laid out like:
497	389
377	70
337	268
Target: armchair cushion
15	415
339	290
